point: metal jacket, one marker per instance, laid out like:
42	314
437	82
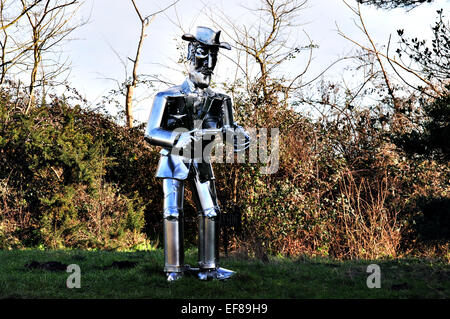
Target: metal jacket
184	107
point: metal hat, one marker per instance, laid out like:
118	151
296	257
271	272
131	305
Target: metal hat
208	37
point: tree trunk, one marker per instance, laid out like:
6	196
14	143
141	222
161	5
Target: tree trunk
37	60
32	100
129	105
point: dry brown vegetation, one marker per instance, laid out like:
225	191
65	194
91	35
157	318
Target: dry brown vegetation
346	187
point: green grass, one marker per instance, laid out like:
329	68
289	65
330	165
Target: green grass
278	278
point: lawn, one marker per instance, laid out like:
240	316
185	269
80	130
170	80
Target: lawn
278	278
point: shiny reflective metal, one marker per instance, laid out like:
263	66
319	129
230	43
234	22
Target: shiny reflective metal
218	273
172	276
206	36
173	225
192	108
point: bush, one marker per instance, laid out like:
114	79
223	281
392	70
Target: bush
342	189
54	192
74	178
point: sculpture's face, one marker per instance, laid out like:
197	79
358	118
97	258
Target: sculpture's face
202	62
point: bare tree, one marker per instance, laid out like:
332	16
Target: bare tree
50	24
13	48
14	20
383	59
269	43
131	85
391	4
407	86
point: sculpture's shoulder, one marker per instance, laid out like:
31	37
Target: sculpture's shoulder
174	91
219	95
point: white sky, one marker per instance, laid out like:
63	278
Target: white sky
114	24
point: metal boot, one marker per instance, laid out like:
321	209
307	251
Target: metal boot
173	229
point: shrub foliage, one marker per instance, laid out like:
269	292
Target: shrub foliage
54	190
70	177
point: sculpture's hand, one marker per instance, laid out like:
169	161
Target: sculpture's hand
237	135
240	131
241	139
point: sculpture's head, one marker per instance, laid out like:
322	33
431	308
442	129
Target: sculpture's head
202	55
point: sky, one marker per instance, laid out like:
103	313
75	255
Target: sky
110	37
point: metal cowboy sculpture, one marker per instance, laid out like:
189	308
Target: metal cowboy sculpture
179	120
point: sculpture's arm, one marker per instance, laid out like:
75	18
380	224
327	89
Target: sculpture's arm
228	117
241	138
154	133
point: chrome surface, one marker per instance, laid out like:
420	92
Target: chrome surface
228	119
173	166
207	37
219	274
208	254
154	133
172	276
173	225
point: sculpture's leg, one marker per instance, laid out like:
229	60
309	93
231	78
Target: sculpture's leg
208	222
173	228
